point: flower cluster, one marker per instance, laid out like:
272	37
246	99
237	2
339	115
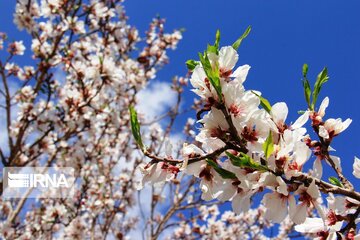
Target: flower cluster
210	224
245	147
69	108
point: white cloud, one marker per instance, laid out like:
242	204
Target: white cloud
155	99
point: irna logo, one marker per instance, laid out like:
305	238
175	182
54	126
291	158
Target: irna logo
54	180
38	182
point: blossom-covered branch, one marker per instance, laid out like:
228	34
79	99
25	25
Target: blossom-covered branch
245	147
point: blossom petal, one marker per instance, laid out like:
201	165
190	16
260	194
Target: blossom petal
297	212
313	190
195	168
206	188
323	132
300	121
324	104
198	77
241	73
302	153
191	149
227	58
279	112
317	169
311	225
282	188
356	167
228	192
240	203
346	124
276	209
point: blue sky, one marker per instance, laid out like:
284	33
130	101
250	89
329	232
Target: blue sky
285	34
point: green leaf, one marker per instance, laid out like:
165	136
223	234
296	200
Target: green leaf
335	181
237	43
212	49
306	85
217	39
305	70
135	127
244	161
222	172
212	73
191	64
263	102
307	92
321	79
268	146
